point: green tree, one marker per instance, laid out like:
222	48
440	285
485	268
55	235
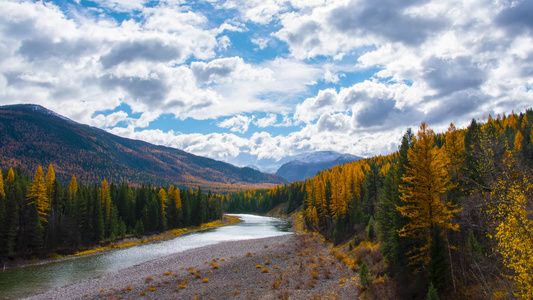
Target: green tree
432	293
365	278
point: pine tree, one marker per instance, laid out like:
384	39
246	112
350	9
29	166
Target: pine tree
365	278
425	182
388	217
432	293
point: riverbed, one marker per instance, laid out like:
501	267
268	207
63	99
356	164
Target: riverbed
32	280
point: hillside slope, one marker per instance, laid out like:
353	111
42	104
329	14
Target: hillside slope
32	135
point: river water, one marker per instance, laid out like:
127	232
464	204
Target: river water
31	280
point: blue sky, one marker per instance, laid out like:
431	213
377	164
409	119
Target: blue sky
254	81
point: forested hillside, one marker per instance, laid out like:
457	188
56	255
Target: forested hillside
39	216
448	214
31	135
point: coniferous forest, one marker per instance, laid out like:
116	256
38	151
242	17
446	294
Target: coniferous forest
448	214
39	216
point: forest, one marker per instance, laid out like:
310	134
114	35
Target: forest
40	217
448	215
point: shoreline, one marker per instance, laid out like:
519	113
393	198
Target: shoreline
299	266
129	242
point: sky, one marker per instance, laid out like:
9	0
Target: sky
250	82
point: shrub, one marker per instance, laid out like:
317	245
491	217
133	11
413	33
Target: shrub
259	266
215	266
264	270
205	280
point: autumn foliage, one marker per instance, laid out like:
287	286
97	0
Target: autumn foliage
451	210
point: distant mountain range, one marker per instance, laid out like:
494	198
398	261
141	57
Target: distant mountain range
31	135
309	164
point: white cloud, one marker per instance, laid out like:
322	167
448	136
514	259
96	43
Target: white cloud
262	43
122	5
110	120
238	123
433	61
257	11
267	121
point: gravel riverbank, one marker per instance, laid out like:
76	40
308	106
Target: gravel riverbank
294	266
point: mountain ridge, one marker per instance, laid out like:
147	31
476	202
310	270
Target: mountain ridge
32	135
309	164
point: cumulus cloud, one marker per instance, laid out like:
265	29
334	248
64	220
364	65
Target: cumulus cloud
267	121
110	120
149	50
349	76
238	123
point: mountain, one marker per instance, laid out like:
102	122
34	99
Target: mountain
309	164
31	135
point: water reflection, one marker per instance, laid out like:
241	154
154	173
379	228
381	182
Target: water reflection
22	282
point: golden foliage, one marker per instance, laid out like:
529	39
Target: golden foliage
2	184
511	206
10	175
37	195
426	181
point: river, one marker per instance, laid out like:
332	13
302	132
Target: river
31	280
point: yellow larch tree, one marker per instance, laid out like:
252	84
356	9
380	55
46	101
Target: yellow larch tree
518	141
37	195
320	198
163	208
425	183
2	192
49	180
170	192
105	198
338	205
177	198
455	150
11	175
73	187
524	123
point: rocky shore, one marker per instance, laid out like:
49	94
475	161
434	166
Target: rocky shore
297	266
